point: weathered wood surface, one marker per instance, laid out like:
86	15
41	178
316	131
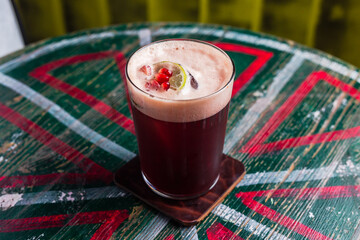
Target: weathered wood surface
65	128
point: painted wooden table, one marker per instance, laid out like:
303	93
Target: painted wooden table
66	128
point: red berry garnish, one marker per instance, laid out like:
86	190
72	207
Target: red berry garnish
165	85
152	85
166	71
160	77
155	85
146	69
147	86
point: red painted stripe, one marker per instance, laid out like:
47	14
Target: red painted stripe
110	221
283	220
298	193
283	112
113	221
170	237
303	141
58	146
244	49
218	232
307	193
41	73
262	57
256	145
353	92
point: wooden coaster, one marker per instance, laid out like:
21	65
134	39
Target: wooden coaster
187	212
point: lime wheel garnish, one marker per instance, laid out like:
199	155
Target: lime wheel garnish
175	72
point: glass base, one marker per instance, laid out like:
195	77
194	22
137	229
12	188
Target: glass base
175	196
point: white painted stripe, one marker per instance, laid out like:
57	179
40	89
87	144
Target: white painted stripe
153	228
9	200
144	36
257	40
332	65
64	196
189	233
295	176
231	215
188	30
334	170
255	111
61	44
64	117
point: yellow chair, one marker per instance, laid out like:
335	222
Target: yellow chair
243	13
295	19
167	10
41	19
84	14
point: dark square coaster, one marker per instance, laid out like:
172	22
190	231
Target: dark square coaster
187	212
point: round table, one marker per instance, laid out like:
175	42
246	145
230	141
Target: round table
294	122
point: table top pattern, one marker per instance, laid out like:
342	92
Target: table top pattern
66	128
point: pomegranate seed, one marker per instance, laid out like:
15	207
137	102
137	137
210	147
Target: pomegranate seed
160	77
166	71
152	85
165	85
146	69
147	86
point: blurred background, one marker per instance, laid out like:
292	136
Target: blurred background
329	25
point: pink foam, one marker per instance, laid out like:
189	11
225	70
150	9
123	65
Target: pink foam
212	69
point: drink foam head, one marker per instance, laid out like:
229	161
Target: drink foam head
212	69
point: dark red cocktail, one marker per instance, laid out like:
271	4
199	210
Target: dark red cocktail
180	92
181	159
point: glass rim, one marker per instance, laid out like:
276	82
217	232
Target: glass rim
181	100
